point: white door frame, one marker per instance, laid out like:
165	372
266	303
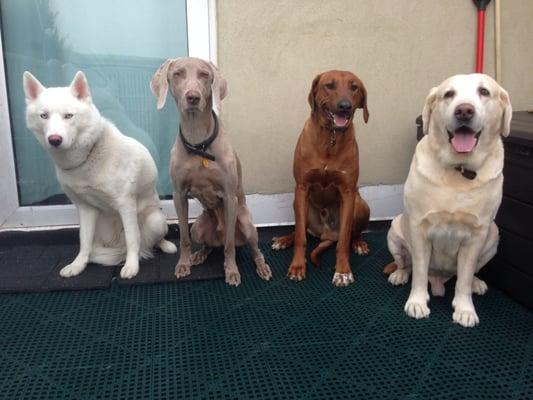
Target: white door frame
202	42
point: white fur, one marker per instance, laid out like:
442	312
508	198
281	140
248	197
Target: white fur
447	227
110	177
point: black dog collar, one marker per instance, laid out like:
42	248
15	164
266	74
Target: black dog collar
200	148
467	173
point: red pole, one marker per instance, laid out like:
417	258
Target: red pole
480	40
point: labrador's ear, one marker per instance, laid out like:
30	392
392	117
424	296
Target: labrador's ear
428	109
159	83
80	87
32	87
363	102
312	93
219	87
507	112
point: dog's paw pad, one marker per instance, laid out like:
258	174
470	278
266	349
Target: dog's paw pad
340	279
399	277
416	310
479	286
466	318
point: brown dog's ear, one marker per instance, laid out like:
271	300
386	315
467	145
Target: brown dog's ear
363	103
159	83
312	93
428	109
507	112
219	87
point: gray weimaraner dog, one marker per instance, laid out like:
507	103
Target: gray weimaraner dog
203	164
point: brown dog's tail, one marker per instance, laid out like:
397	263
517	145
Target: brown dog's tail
390	268
321	248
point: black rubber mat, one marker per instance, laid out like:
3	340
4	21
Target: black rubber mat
262	340
31	261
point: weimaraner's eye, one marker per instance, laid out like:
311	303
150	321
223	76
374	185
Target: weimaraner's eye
177	73
203	75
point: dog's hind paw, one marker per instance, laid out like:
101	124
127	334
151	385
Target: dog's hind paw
340	279
360	247
479	286
167	246
200	256
399	277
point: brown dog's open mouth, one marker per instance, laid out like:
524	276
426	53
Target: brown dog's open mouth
339	120
464	139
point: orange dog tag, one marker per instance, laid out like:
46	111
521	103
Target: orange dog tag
205	162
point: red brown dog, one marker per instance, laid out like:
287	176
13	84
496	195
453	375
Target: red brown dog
327	203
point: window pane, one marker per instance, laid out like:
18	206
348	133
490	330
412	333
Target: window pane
119	44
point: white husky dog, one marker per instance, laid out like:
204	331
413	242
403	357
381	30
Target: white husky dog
110	177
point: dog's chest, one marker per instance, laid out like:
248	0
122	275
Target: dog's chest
203	181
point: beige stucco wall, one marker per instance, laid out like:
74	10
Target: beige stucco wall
269	52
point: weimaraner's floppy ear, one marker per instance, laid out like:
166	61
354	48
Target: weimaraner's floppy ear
312	93
159	83
79	87
507	112
219	88
428	109
363	103
32	87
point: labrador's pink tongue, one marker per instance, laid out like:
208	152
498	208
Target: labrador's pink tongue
463	143
339	121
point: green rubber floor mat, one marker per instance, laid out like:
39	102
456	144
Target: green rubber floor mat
262	340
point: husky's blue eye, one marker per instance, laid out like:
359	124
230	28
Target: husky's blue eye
68	116
44	115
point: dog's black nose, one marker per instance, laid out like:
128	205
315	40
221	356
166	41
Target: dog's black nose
55	140
193	98
344	106
464	112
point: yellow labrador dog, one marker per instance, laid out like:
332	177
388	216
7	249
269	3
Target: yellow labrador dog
452	194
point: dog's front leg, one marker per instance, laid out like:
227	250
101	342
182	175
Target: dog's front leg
296	270
231	271
183	267
343	274
416	305
467	258
128	215
88	216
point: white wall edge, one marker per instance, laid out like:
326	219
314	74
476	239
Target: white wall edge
8	179
385	201
198	29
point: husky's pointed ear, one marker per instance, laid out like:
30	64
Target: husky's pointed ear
507	112
32	87
79	87
219	88
159	83
428	109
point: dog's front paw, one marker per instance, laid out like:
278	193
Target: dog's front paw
72	269
264	271
296	272
464	312
129	270
233	277
416	306
479	286
399	277
340	279
182	269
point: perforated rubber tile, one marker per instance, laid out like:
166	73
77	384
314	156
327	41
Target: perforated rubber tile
262	340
